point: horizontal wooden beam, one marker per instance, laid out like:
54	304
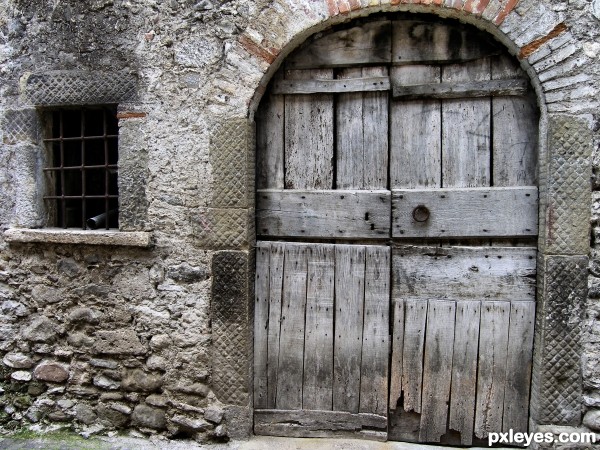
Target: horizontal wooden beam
324	214
331	86
490	88
311	423
466	212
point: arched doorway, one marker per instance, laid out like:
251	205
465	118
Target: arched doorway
397	223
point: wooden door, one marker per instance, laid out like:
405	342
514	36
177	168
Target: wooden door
397	217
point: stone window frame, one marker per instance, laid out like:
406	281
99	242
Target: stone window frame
546	49
45	91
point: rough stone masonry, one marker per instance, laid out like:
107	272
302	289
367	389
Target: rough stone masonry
150	331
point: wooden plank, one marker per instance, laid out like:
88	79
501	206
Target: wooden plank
415	133
270	141
261	324
362	143
276	263
437	369
491	375
311	423
464	370
368	43
349	305
291	349
318	340
518	366
515	131
465	273
375	340
412	365
495	88
336	214
473	212
309	136
419	41
397	352
356	84
466	132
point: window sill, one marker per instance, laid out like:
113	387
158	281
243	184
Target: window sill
87	237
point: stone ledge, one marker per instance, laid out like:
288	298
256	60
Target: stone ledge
86	237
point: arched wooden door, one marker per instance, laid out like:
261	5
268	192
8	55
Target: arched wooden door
396	219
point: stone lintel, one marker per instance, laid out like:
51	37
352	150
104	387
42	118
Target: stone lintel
85	237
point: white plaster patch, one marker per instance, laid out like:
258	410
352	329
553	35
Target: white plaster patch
596	9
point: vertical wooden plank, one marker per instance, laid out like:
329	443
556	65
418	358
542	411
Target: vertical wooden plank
464	370
318	341
397	350
291	350
491	376
437	369
269	141
518	366
375	341
412	365
415	146
350	138
466	131
309	135
515	131
349	304
375	131
261	324
276	262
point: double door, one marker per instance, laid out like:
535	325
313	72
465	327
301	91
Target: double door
396	221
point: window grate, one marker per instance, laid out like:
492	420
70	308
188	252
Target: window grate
82	167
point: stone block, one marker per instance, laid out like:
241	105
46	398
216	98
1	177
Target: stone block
148	417
118	342
51	371
231	149
22	125
557	383
17	360
41	329
228	228
138	380
569	186
230	323
76	87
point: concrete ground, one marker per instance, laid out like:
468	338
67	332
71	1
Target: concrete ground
75	442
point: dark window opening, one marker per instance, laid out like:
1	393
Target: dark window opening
82	167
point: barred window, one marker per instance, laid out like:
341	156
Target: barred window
82	167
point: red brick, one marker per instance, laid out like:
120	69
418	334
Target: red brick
481	5
528	49
343	6
354	5
508	7
257	50
332	8
131	115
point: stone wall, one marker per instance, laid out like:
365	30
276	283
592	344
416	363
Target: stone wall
157	339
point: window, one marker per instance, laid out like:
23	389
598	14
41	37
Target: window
82	166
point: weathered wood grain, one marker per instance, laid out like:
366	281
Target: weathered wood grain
309	135
437	369
415	133
464	370
518	367
349	307
418	41
375	339
261	324
397	352
466	212
415	313
276	266
369	43
495	88
291	349
318	340
465	273
466	131
515	131
311	423
491	374
334	213
352	85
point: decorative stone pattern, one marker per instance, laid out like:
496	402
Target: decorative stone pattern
569	186
79	88
230	327
556	382
21	125
222	228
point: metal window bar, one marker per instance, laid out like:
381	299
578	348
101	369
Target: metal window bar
66	190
